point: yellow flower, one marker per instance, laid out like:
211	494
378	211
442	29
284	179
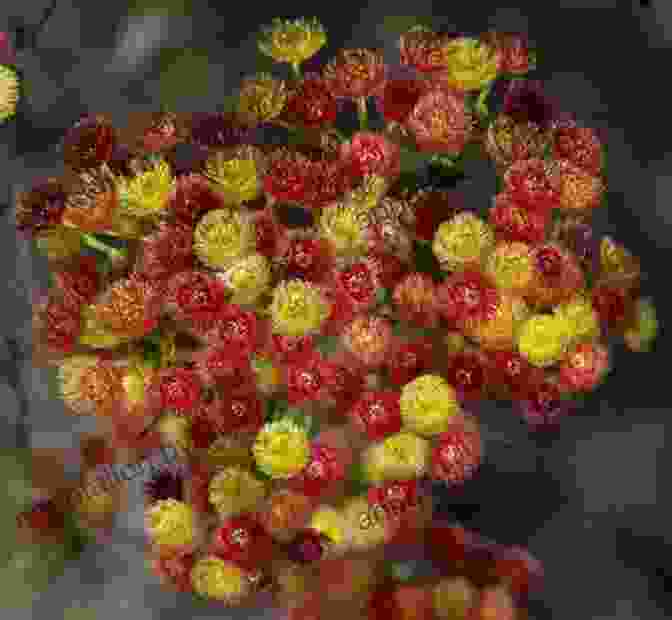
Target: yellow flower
510	266
218	579
229	452
344	226
9	92
297	308
236	179
398	457
455	342
368	195
249	278
223	236
234	490
281	449
59	242
428	405
261	99
330	522
146	194
170	523
86	386
462	241
500	331
453	598
137	377
366	530
176	431
543	339
468	64
292	41
95	333
584	322
168	348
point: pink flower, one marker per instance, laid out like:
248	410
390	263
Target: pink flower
370	153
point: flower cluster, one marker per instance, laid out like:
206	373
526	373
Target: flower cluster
292	367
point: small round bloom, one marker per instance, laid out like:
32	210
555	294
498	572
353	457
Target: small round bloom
467	298
308	259
510	266
514	222
400	456
440	123
641	335
287	512
9	92
495	603
89	142
236	177
261	99
196	297
292	40
344	227
499	330
41	208
467	374
325	467
415	298
147	194
233	490
358	284
422	48
468	64
584	367
543	339
399	98
222	237
93	203
248	279
408	361
328	181
525	101
242	540
214	578
580	145
79	282
428	405
192	196
453	598
307	378
356	73
509	370
177	389
281	449
369	339
462	241
543	406
297	308
311	103
175	430
174	569
580	191
557	275
165	252
89	385
286	179
533	183
377	414
170	523
457	454
366	532
583	319
508	141
369	153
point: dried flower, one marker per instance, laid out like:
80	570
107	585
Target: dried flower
298	308
281	449
166	483
222	237
234	490
400	456
170	523
214	578
9	92
356	73
292	41
261	99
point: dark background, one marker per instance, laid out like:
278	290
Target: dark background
589	504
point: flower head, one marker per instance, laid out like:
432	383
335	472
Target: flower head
468	64
499	329
214	578
196	297
583	320
525	101
222	237
356	73
298	308
369	153
428	405
170	523
234	490
399	98
415	298
508	141
344	227
311	103
292	41
248	279
236	177
262	98
453	598
512	51
93	203
369	339
9	92
584	366
281	449
457	454
422	49
514	222
377	414
42	207
167	251
533	183
89	143
331	523
89	385
510	266
543	339
580	145
287	512
462	241
400	456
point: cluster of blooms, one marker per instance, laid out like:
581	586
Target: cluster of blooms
186	309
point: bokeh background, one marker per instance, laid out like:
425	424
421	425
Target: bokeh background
590	504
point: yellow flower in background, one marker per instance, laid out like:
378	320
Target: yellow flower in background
584	322
229	452
401	456
281	449
137	377
9	92
544	338
59	242
237	179
218	579
223	236
365	532
292	41
453	598
331	523
86	386
261	99
170	523
344	227
428	404
268	374
297	308
248	279
234	490
146	194
176	431
510	266
368	195
462	241
468	64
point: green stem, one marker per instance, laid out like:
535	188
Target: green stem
481	108
296	70
362	113
113	253
339	134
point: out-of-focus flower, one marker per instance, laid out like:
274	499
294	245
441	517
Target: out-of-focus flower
234	490
248	279
462	241
525	101
409	360
508	141
617	265
41	207
344	227
281	449
311	103
370	153
422	48
236	176
518	570
89	143
286	513
79	282
358	284
170	523
510	266
326	466
584	366
242	540
366	535
59	243
166	483
466	372
499	330
93	332
177	389
454	598
174	569
175	430
584	321
614	305
415	298
356	73
557	275
428	405
222	237
369	339
495	603
292	40
467	298
642	334
94	200
9	92
512	51
467	64
580	145
307	546
240	330
214	578
399	98
533	183
580	191
89	385
457	453
440	123
543	339
514	222
400	456
261	99
165	252
332	524
298	308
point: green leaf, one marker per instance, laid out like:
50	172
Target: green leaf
383	296
426	262
262	475
184	71
413	161
326	344
357	480
159	7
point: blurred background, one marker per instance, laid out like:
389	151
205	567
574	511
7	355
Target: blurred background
591	503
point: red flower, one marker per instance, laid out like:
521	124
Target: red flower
409	360
532	183
309	259
467	298
89	143
356	73
580	145
198	298
400	495
199	477
176	388
543	406
518	570
242	414
510	370
217	362
325	467
175	570
450	544
287	349
61	325
612	304
415	299
467	374
377	414
203	433
514	222
286	179
244	541
370	153
193	195
308	378
308	546
457	455
387	269
513	51
420	48
311	103
327	181
79	283
236	327
347	387
161	134
166	252
358	284
271	235
399	98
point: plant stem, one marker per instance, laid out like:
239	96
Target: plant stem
113	253
362	113
339	134
296	70
481	108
